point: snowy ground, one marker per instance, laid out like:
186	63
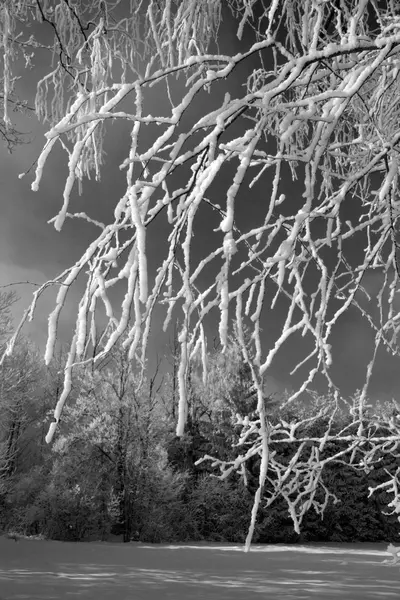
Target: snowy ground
43	570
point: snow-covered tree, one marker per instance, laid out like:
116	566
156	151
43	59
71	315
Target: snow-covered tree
7	299
316	99
20	378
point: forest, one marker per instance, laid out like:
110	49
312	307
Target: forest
117	471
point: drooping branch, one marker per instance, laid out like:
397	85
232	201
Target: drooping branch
319	105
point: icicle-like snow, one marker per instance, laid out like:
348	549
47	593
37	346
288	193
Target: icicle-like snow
64	394
141	244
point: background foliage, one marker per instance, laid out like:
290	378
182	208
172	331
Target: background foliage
117	470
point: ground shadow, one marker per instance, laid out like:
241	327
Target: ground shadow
42	570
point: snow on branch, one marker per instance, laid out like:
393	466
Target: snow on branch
318	104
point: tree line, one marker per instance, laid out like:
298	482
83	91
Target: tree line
117	468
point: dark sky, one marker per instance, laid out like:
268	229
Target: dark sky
31	249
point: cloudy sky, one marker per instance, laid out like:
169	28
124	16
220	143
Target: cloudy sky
31	250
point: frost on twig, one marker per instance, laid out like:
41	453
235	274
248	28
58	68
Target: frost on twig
299	456
318	104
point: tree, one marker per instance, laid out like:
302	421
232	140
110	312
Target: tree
7	299
21	409
19	377
318	104
13	48
111	450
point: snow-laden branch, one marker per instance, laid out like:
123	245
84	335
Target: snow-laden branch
320	107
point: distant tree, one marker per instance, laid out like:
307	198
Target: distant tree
7	299
314	99
110	450
20	377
